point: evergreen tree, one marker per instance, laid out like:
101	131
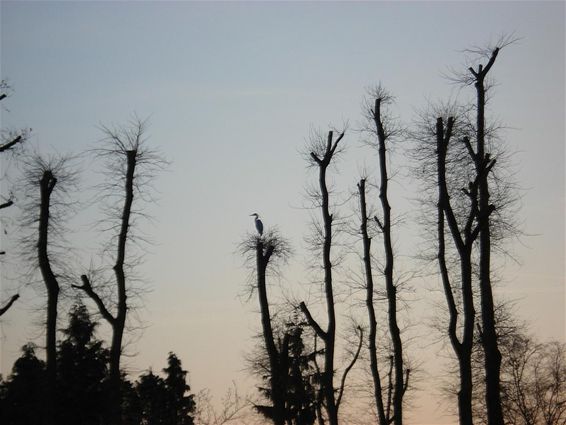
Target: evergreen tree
181	406
165	401
22	395
301	393
82	372
153	397
296	364
131	405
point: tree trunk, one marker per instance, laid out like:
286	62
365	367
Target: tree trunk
489	334
47	184
399	387
277	372
329	345
118	325
377	389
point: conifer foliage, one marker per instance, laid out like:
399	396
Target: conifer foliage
82	385
164	401
21	395
82	371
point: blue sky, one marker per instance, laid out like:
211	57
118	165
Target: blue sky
232	91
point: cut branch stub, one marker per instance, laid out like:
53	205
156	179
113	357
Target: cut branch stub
10	144
323	335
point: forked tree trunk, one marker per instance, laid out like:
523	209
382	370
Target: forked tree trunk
463	240
118	321
328	336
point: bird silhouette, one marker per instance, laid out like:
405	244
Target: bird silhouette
258	223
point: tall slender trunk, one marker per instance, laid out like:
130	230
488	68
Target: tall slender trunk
47	184
465	356
372	337
328	289
489	334
118	325
391	289
277	373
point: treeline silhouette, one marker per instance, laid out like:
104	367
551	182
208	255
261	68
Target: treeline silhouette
500	375
81	390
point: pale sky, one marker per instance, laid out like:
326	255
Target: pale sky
232	91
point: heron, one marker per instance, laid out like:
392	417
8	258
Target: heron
258	223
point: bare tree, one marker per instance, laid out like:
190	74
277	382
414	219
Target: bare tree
549	375
533	375
484	163
267	247
444	167
48	181
533	382
484	156
131	167
383	129
463	240
235	408
10	140
464	169
321	155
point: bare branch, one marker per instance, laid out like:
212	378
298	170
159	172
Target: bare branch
9	304
10	144
312	323
348	368
6	204
88	289
336	142
467	143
